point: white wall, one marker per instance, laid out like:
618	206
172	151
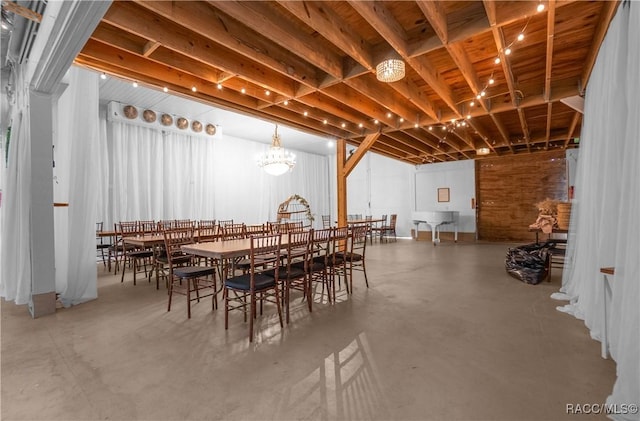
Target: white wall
380	185
459	177
377	186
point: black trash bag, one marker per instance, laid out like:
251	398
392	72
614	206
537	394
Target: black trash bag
529	263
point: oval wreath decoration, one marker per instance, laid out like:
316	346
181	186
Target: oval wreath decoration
295	208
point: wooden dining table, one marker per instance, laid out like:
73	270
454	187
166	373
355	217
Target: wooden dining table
225	249
364	221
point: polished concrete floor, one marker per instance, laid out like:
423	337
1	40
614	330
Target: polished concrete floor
443	333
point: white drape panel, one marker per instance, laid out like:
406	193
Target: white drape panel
157	175
15	267
625	308
605	227
103	170
76	173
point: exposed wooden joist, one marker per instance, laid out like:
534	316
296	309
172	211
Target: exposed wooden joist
383	21
574	123
263	19
366	144
331	26
551	22
206	21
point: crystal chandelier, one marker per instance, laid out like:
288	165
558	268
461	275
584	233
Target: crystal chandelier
277	161
391	70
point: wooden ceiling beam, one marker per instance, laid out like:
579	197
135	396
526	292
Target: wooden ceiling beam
350	97
548	130
401	147
204	20
388	27
320	116
294	119
334	108
525	127
574	123
327	23
437	17
129	17
150	47
384	96
121	63
264	19
503	131
418	146
416	96
551	22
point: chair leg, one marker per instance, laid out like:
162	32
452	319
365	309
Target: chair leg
364	270
278	305
170	291
252	315
226	309
189	283
124	265
308	286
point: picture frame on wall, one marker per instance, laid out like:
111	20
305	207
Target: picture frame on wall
443	194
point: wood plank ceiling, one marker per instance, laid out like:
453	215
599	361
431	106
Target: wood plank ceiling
311	65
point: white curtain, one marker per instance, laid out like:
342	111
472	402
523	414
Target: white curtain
76	174
605	225
154	175
15	267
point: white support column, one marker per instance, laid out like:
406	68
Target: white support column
43	280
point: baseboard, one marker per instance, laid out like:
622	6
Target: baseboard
445	236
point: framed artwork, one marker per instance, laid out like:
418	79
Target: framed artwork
443	194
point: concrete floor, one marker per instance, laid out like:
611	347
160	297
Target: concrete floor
443	333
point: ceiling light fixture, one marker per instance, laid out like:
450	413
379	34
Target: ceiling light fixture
277	161
103	76
391	70
483	151
165	89
134	84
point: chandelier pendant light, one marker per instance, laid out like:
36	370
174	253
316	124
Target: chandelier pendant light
391	70
277	161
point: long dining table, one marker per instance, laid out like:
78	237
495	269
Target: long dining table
225	251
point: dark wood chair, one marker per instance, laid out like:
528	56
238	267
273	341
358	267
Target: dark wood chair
293	273
136	257
242	292
186	278
102	244
317	265
388	231
376	230
336	264
354	257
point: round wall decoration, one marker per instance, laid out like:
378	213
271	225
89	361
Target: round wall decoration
196	126
166	120
149	116
210	129
130	111
182	123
